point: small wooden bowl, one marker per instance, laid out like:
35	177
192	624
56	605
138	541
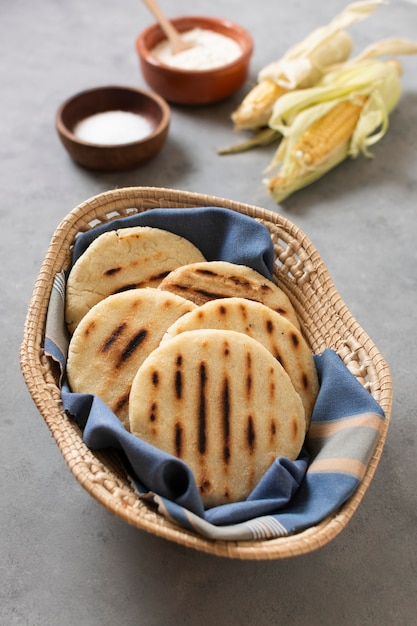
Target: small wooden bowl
121	156
194	87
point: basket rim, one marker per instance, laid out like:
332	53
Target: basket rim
41	381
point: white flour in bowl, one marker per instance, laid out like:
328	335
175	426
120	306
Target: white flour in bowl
210	50
113	127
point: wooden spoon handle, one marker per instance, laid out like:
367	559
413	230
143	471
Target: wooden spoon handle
175	39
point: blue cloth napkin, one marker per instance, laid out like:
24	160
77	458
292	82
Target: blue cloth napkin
292	495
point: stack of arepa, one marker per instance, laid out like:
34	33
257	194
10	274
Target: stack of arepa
202	359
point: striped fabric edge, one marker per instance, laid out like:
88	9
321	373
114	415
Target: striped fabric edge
338	466
329	434
56	338
59	284
326	429
266	527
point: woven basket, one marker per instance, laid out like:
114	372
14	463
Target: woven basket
326	322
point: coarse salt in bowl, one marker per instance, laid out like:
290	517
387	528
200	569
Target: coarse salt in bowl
113	128
211	71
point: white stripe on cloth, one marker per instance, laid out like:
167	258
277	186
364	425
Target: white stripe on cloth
267	527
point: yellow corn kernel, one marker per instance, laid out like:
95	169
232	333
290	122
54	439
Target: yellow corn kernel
329	133
256	108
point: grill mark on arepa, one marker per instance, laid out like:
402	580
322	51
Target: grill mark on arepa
192	293
295	340
206	272
226	420
178	378
131	347
243	310
210	295
143	283
236	280
107	344
91	326
294	428
204	485
250	434
202	435
272	430
248	375
112	271
152	414
272	385
178	439
266	288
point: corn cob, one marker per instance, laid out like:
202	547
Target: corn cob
325	141
301	67
329	133
256	108
340	117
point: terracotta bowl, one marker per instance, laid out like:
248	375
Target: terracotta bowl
117	156
194	87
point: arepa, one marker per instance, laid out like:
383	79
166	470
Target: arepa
209	280
114	338
222	403
277	334
117	260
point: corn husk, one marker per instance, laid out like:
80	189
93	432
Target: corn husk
392	46
263	137
294	113
302	65
364	72
306	62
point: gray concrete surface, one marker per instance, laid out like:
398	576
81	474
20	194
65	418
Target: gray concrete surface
64	559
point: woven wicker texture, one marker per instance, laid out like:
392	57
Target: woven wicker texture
326	323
